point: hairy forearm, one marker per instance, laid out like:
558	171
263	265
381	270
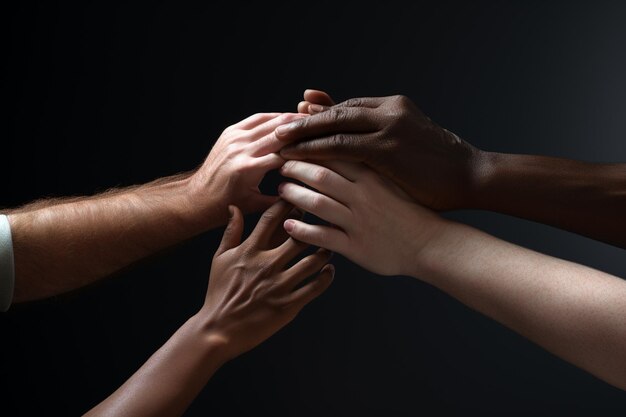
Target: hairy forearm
585	198
169	381
573	311
60	245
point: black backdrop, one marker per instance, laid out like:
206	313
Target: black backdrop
103	95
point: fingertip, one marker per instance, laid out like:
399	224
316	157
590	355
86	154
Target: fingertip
284	129
330	269
290	152
289	225
303	107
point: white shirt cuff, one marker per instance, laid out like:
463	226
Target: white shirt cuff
7	267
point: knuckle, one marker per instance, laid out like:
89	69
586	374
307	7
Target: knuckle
401	99
338	115
286	117
268	217
242	164
301	123
339	140
353	102
403	104
275	303
265	268
316	201
289	166
320	176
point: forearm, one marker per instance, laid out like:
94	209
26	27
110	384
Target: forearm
575	312
585	198
169	381
65	244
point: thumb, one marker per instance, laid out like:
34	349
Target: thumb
233	232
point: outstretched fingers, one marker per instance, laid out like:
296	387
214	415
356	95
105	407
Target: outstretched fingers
305	268
312	289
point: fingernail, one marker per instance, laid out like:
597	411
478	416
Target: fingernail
316	108
331	268
284	129
231	212
289	225
280	188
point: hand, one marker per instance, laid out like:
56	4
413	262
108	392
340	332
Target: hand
236	165
252	293
392	136
374	224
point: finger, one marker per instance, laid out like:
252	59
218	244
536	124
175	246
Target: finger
313	202
267	144
316	108
233	231
325	180
271	220
369	102
267	162
344	146
267	127
289	249
303	107
334	120
280	236
327	237
351	171
304	269
311	108
318	97
313	289
254	120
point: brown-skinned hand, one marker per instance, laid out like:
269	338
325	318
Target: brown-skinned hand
390	135
252	290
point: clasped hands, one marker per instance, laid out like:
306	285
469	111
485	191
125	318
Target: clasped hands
368	185
377	171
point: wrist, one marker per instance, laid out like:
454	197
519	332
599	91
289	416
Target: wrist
208	200
196	206
214	342
431	255
484	167
425	228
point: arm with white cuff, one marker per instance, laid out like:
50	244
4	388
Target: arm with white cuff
7	268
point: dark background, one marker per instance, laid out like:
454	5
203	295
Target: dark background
103	95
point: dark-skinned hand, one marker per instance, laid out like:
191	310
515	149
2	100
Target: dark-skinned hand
390	135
